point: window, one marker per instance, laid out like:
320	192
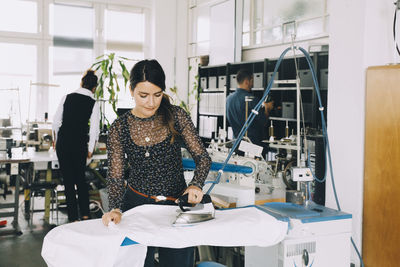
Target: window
72	29
200	30
54	42
123	26
18	16
18	72
71	21
267	22
124	36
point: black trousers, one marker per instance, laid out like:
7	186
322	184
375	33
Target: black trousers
72	159
168	257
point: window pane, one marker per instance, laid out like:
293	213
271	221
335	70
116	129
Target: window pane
124	26
67	60
67	84
18	16
203	48
17	71
272	35
257	17
132	56
278	12
203	24
257	37
246	16
289	30
71	21
309	28
246	39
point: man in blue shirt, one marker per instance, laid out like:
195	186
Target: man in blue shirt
236	109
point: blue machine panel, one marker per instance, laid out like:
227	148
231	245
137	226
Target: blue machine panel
307	214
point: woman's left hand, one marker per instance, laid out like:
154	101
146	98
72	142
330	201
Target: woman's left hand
195	194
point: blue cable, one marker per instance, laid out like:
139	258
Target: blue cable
324	129
326	141
248	121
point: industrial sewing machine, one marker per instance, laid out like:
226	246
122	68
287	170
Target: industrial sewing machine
39	135
253	181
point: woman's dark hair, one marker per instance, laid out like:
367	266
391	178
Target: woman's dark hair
151	71
89	80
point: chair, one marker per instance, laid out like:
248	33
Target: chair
38	189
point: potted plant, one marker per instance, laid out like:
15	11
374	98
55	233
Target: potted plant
108	65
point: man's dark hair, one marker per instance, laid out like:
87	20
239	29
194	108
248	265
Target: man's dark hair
243	74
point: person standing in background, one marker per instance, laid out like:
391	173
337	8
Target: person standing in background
76	130
236	109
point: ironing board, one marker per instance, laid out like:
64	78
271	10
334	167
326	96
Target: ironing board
90	243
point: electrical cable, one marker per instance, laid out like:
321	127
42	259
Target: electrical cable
394	28
249	120
325	134
324	128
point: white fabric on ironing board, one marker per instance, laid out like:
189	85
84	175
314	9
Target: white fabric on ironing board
89	243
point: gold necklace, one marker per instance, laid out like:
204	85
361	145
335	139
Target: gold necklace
147	139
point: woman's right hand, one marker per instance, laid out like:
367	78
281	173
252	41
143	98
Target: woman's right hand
114	215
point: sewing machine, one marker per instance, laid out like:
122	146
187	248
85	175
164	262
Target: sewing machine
317	236
40	135
258	186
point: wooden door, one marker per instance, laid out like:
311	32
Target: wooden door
381	211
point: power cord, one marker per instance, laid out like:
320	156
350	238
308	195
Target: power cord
397	4
255	113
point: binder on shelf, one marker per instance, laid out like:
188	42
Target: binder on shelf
233	81
203	83
221	82
212	83
305	78
323	79
258	80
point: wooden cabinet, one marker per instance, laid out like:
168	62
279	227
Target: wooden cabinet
381	217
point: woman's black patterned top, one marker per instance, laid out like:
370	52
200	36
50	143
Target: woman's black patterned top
155	164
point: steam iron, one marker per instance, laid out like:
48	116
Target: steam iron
188	215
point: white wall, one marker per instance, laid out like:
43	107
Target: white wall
360	36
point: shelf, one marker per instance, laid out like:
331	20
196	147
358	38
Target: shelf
212	79
213	90
210	114
290	88
284	119
252	89
283	146
281	119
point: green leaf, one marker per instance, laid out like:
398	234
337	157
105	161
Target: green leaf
173	89
125	72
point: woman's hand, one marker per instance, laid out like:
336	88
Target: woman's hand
195	194
113	216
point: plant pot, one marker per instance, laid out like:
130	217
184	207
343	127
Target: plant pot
204	60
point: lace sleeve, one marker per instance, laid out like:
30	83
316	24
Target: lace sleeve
116	158
195	146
